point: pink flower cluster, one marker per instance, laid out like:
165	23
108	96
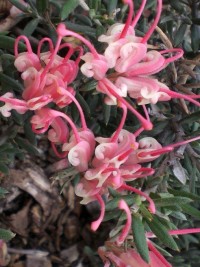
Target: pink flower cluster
125	69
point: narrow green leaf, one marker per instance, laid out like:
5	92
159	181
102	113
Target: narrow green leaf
195	37
111	6
184	194
106	113
42	6
3	191
139	237
6	235
113	192
180	34
91	85
26	145
30	27
190	118
67	8
19	5
31	137
113	204
188	209
10	82
162	234
110	215
169	201
90	31
84	104
7	43
3	168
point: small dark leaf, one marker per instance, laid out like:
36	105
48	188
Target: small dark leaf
162	234
19	5
3	168
139	237
26	145
30	27
10	82
6	235
180	34
67	8
7	43
188	209
42	6
195	37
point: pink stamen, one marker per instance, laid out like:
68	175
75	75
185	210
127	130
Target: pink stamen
48	66
153	26
179	54
62	30
95	225
139	131
156	152
139	13
26	40
146	112
185	142
125	154
184	231
152	207
116	135
158	254
48	40
177	95
65	92
64	116
147	125
129	19
123	206
58	154
141	173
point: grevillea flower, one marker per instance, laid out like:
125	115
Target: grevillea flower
120	258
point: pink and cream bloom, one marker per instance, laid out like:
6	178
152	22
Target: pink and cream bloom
95	64
111	253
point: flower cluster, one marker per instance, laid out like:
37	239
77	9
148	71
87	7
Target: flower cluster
126	68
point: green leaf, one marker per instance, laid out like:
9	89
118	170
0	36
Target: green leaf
84	104
42	6
112	215
67	8
188	209
90	85
111	6
19	5
6	235
190	118
162	234
3	191
26	145
113	204
195	37
10	82
106	113
169	201
180	34
90	31
3	168
30	135
7	43
30	27
184	194
139	237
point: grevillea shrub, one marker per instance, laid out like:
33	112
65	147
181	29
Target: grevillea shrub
127	73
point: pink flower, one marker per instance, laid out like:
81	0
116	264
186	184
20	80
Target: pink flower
95	67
